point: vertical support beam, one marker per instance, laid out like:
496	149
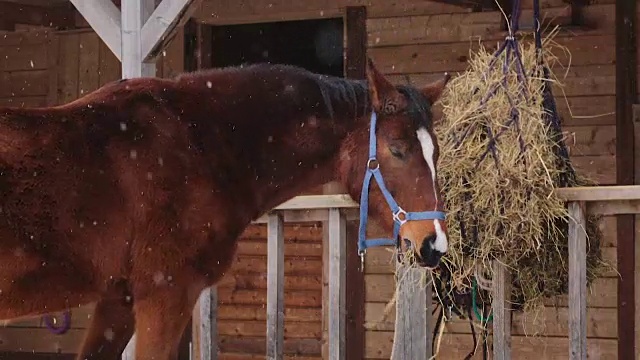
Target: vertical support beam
577	282
197	45
132	14
626	95
205	326
501	312
275	286
337	285
355	68
413	327
146	9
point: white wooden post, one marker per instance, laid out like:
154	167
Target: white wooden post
577	282
337	284
275	286
413	327
501	312
205	328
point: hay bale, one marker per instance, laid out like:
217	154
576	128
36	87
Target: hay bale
500	160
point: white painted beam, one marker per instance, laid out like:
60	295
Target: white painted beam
131	24
157	27
104	18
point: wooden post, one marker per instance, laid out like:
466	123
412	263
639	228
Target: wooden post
337	284
626	95
205	327
577	282
413	328
501	312
275	286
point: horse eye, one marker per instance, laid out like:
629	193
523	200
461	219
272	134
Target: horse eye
396	152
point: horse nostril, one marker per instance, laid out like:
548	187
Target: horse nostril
430	256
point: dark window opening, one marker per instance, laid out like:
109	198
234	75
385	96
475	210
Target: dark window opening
316	45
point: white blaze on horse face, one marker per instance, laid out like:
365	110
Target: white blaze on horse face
428	150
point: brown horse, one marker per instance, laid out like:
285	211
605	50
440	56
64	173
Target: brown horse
134	195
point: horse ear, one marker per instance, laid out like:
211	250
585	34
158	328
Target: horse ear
434	90
384	96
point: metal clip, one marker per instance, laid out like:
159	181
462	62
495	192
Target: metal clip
361	254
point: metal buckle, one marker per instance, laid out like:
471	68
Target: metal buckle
361	253
397	214
373	161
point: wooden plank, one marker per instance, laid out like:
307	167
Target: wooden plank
355	68
301	216
501	311
626	52
577	282
453	57
292	267
469	26
258	281
25	83
104	18
303	233
293	330
109	67
337	284
88	63
256	345
275	286
600	193
52	70
205	326
259	313
163	19
259	248
31	101
68	61
24	57
413	329
294	298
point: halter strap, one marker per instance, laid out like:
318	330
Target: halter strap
400	216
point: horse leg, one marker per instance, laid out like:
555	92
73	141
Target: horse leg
111	327
161	319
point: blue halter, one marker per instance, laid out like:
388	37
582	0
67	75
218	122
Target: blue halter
399	215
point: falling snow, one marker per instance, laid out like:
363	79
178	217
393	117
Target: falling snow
109	334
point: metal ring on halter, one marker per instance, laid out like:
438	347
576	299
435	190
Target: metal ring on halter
396	216
370	161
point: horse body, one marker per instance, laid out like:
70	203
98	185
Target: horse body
133	196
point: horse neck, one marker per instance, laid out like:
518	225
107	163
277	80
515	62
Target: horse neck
292	155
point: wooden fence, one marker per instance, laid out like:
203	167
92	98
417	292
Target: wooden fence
412	338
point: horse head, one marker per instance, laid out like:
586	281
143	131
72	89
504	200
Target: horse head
402	161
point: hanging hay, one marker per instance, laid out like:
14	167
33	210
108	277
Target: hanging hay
500	159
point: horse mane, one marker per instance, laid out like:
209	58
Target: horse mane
349	97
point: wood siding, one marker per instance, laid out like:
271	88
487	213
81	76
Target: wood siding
410	40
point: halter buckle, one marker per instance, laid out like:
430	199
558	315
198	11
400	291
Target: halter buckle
400	216
361	253
373	164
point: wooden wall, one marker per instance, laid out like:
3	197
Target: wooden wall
412	39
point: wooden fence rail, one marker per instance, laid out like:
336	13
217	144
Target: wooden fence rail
412	328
